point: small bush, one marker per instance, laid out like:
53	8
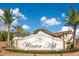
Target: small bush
69	45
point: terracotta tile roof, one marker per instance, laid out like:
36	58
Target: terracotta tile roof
58	34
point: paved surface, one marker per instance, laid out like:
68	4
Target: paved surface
8	53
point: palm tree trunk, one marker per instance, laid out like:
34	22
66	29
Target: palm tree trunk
63	43
74	39
8	38
1	36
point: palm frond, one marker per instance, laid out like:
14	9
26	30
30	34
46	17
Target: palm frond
16	17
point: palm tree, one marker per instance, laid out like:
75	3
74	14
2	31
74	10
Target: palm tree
72	19
17	28
20	31
8	18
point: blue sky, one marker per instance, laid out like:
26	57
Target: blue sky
48	16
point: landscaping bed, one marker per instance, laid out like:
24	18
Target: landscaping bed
42	51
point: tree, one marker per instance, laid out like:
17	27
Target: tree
0	35
20	31
8	18
3	35
72	19
25	33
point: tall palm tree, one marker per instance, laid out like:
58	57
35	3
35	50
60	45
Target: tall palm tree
72	19
8	18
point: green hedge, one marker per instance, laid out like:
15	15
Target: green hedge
43	51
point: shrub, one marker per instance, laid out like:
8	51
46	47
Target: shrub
3	36
69	45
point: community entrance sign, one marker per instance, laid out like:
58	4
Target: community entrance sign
39	41
47	45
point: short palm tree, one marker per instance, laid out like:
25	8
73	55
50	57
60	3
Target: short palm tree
8	18
20	31
72	19
18	28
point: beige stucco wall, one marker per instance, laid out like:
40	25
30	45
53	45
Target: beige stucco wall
41	39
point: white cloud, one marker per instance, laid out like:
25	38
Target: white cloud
50	22
1	12
1	22
22	16
63	14
15	22
65	28
25	27
43	19
3	28
77	33
17	13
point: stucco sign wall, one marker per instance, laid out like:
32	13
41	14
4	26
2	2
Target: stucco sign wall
40	41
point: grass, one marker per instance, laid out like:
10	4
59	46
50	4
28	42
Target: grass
43	51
